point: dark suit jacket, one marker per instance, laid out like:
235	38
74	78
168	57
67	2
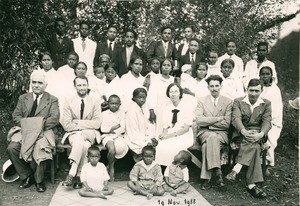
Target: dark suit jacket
186	59
47	108
122	63
59	52
156	49
242	117
102	48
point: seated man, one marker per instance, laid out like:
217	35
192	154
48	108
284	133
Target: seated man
81	121
37	113
213	116
251	117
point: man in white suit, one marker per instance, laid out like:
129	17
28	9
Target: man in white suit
81	121
213	116
85	47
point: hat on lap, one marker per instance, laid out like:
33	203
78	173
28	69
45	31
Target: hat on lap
120	147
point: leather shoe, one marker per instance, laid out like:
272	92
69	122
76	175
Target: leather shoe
205	185
27	182
40	187
77	185
231	176
257	192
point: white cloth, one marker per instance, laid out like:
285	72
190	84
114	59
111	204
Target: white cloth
256	104
128	54
138	129
168	148
252	69
184	48
273	94
97	86
238	69
87	55
185	172
94	176
214	69
114	87
232	87
201	89
187	81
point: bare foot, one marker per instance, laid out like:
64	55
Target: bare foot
173	193
101	195
111	173
183	192
149	196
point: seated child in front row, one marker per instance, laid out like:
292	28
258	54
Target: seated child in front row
146	176
94	176
177	174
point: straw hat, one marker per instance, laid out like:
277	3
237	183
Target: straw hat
9	172
120	147
294	103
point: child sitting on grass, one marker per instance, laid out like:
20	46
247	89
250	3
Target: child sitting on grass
146	176
94	176
177	174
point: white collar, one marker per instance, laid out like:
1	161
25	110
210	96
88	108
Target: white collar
256	104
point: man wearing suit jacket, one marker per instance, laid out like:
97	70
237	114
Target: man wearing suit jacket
32	105
213	117
109	46
85	47
164	48
193	56
129	51
81	121
251	117
189	33
59	45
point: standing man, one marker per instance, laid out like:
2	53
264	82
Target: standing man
85	47
36	114
81	121
163	48
109	46
253	67
238	69
213	116
129	51
59	45
251	117
189	33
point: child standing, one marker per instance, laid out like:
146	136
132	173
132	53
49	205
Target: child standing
113	127
154	73
97	82
94	176
213	63
177	174
146	176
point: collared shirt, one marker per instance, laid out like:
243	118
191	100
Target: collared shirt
165	45
214	100
232	87
256	104
128	54
184	48
192	57
112	44
38	99
238	69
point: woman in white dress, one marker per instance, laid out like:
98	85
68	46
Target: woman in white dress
177	133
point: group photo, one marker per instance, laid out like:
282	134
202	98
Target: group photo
149	102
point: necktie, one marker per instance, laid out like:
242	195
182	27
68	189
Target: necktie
110	49
166	49
34	106
215	102
81	109
193	60
83	44
174	118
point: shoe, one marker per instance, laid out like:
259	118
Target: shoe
69	181
220	181
231	176
77	185
27	182
40	187
205	185
267	173
257	192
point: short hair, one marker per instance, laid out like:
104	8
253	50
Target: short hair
187	158
213	50
93	148
84	22
166	27
230	40
178	86
96	67
263	43
43	53
133	59
155	58
148	148
137	91
230	61
266	67
191	27
166	59
84	77
255	82
73	53
201	63
111	65
214	78
114	96
112	26
39	73
132	31
195	39
60	19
